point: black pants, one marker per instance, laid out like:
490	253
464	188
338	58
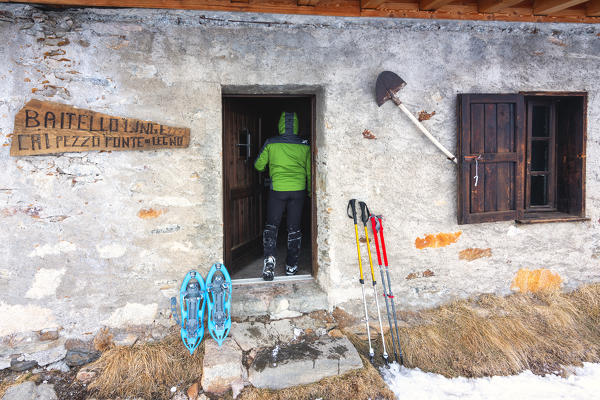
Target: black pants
292	202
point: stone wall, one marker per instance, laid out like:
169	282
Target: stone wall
94	239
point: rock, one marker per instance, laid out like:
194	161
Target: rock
221	366
179	396
23	391
19	366
282	329
85	375
126	340
48	334
50	356
336	333
251	335
307	322
192	392
28	347
321	331
58	366
77	357
278	304
28	391
4	362
303	363
203	397
236	387
285	314
46	392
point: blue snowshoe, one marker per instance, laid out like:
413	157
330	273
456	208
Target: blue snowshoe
218	290
191	303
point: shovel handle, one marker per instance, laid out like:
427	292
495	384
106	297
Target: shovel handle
426	132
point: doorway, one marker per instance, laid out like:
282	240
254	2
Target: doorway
248	121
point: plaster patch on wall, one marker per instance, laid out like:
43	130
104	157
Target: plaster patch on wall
536	280
172	201
474	253
148	213
24	318
177	246
439	240
132	314
45	283
61	247
111	251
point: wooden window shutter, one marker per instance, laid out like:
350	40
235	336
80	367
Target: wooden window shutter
491	145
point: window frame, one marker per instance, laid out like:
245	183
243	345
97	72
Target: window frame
567	164
550	172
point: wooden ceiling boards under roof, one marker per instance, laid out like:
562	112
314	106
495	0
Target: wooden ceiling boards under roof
584	11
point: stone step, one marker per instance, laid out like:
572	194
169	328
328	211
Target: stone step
303	362
278	299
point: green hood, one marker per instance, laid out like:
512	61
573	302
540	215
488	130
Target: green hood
288	123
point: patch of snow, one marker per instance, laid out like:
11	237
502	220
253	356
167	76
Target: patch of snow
415	384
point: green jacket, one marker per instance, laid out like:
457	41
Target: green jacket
288	157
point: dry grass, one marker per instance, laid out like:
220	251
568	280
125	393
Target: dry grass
491	335
103	340
146	370
362	384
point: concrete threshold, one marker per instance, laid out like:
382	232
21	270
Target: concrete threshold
277	279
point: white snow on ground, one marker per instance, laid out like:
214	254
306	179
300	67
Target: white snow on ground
415	384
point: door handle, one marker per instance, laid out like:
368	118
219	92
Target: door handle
247	144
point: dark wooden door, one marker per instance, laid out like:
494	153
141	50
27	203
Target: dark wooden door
243	191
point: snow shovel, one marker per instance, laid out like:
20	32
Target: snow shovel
388	84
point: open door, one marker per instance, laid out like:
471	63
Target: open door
243	184
248	121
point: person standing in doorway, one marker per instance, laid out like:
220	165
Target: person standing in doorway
288	158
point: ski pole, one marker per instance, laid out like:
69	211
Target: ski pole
387	272
352	206
364	216
374	225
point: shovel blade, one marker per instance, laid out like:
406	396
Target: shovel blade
387	83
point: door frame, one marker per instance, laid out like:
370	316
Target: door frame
313	203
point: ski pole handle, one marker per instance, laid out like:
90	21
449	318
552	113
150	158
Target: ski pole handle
383	251
374	225
364	212
352	205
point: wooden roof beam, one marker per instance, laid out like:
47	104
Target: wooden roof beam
492	6
547	7
433	5
593	8
371	4
310	3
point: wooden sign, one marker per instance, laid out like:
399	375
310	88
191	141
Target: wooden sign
45	127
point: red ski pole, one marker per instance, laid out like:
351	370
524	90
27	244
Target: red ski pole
374	226
389	294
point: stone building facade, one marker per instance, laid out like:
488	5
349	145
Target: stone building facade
102	238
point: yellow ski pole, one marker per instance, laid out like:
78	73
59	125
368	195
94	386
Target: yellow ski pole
352	208
364	216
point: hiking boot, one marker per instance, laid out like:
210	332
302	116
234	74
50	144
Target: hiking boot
291	270
268	268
